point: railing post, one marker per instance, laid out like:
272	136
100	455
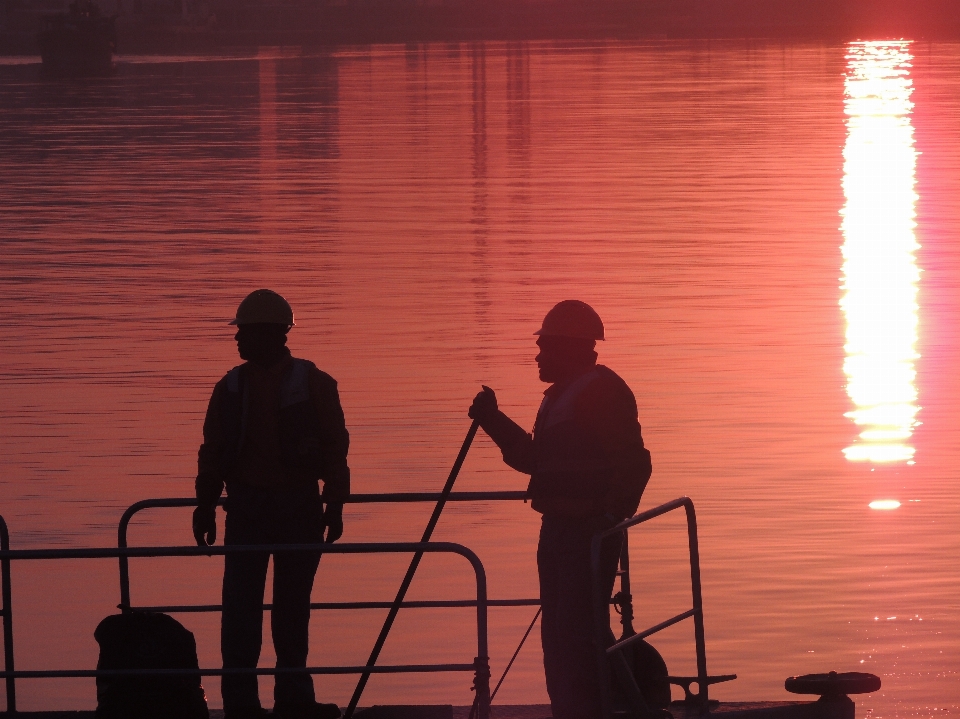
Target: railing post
7	619
703	693
124	563
122	537
481	678
481	685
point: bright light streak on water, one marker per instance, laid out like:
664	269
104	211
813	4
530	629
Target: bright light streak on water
886	504
880	273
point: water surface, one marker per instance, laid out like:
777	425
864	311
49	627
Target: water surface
767	230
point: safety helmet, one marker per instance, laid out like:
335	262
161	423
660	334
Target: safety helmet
572	318
264	306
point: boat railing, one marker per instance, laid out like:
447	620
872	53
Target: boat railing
386	498
480	666
610	653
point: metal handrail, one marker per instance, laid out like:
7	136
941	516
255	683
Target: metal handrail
606	651
480	665
358	669
416	604
5	593
396	497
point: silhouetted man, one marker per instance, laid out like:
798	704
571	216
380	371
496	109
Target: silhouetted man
274	427
588	468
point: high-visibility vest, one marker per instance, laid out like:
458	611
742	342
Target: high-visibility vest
300	447
571	471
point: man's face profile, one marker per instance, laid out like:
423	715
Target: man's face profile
559	357
256	340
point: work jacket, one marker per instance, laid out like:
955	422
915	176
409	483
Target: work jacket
274	428
585	456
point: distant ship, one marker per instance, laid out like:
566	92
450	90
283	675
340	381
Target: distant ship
80	41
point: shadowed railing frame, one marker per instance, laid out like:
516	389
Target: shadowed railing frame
398	497
607	653
480	666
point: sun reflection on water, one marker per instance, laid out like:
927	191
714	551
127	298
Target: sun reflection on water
880	273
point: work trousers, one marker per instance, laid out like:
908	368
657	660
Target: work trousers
567	626
259	516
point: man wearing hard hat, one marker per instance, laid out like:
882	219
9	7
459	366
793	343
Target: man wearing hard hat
274	427
588	468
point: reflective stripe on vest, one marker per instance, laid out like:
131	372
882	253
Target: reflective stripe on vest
296	387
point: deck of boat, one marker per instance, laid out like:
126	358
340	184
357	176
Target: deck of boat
728	710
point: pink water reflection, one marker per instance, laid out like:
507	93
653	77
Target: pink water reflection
422	207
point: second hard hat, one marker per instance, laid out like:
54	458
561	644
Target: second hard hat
264	307
572	318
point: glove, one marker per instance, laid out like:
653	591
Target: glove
205	525
484	405
333	522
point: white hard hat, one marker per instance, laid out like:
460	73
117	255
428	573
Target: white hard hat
572	318
264	307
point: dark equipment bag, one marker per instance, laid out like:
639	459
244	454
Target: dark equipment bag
148	640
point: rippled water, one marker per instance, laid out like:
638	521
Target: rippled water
422	207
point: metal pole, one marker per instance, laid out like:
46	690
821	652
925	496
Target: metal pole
493	694
7	619
626	606
481	685
412	569
703	686
124	561
481	678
